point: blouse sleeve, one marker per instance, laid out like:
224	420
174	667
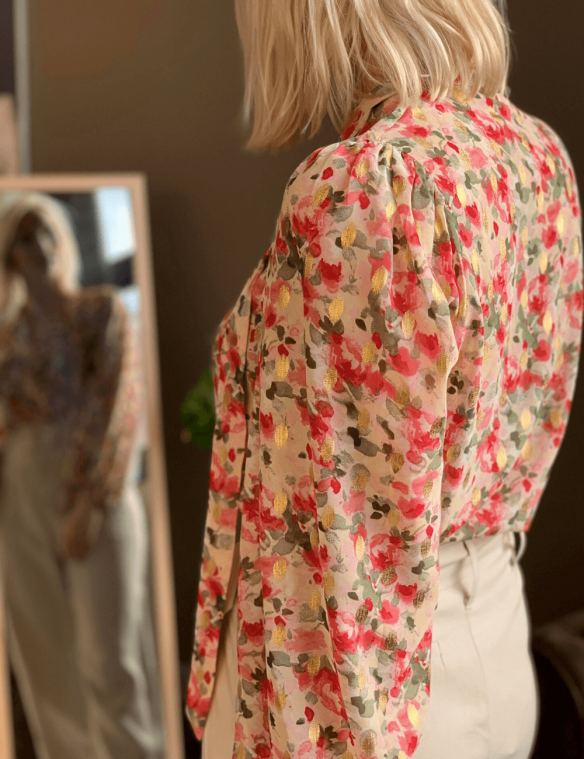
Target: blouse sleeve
380	289
108	420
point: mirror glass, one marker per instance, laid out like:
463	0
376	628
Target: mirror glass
76	458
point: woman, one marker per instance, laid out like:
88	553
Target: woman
73	534
392	388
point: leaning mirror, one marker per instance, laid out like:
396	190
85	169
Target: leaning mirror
85	554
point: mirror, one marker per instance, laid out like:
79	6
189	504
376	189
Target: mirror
85	554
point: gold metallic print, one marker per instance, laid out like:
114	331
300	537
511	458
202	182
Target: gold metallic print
320	194
476	496
369	353
391	640
283	297
361	615
336	309
360	548
402	396
543	262
313	665
548	322
397	461
280	503
314	600
393	518
349	235
280	700
442	363
474	259
328	517
426	547
283	367
330	378
461	194
408	324
526	419
281	436
329	583
314	732
437	292
413	715
360	477
362	168
390	210
399	186
383	699
527	450
501	458
388	575
308	263
364	420
524	299
556	417
279	568
279	635
379	279
327	449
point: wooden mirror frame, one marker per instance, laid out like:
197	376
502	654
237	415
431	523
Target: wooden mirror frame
158	516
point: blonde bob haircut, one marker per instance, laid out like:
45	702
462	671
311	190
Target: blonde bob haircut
306	58
64	269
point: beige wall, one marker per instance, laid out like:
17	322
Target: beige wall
155	86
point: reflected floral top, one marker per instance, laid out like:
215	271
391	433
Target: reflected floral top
80	372
397	373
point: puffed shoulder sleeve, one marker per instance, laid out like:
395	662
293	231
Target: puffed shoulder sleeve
377	279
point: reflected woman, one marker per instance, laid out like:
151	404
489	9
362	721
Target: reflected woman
73	531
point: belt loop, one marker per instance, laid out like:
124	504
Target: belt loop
470	548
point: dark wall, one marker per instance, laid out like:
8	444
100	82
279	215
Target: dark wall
547	81
156	86
6	47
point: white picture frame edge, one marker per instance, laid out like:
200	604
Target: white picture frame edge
159	516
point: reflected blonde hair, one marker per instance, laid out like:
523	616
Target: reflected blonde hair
306	58
64	270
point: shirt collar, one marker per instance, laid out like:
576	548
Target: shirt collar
379	103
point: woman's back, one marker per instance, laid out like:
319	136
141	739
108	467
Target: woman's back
512	249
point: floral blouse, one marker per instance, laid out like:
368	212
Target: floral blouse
79	372
397	373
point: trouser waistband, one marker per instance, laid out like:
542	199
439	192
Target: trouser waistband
452	553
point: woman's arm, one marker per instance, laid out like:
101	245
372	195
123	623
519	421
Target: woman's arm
373	304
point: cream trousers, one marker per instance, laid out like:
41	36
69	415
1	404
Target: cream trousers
484	701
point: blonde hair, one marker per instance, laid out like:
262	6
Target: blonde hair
306	58
64	269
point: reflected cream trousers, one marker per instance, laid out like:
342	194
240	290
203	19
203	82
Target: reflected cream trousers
80	633
484	701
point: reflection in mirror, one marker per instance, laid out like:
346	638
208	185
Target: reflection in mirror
74	476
